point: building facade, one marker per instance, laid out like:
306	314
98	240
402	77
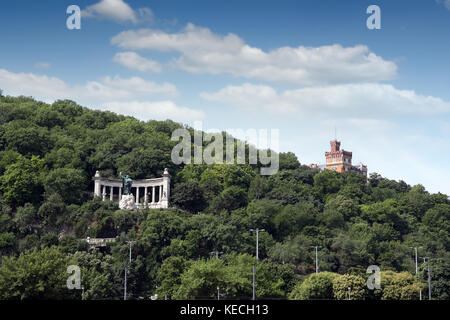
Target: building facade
340	160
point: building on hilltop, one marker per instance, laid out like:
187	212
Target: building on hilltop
340	160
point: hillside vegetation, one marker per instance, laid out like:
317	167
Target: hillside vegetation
49	153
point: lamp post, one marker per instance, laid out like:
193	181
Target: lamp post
317	257
257	231
415	250
429	276
218	293
126	271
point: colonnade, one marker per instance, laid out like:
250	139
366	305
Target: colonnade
156	192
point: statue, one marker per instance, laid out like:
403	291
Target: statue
127	182
127	200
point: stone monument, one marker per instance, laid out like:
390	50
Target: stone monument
127	200
151	193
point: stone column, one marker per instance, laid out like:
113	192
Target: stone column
145	197
160	194
104	193
120	193
165	195
97	185
153	194
111	193
137	195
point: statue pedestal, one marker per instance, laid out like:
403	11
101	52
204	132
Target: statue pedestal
127	202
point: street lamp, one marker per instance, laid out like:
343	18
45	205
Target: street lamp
218	293
126	271
429	276
415	250
257	231
317	258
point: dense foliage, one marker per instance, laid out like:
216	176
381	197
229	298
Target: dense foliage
203	244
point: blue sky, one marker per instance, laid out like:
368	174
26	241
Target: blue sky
302	67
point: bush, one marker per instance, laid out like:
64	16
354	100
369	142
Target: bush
316	286
356	284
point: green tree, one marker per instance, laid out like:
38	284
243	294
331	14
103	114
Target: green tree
440	278
229	199
398	286
169	275
52	211
327	182
201	280
21	182
259	186
27	138
39	274
8	244
188	196
315	286
67	182
356	284
288	161
25	217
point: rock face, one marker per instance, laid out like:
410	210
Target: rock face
127	202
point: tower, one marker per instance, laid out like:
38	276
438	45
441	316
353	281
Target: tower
337	159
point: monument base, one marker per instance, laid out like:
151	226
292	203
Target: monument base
127	202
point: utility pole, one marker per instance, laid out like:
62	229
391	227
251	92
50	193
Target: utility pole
130	243
429	276
416	249
126	271
257	231
125	285
317	258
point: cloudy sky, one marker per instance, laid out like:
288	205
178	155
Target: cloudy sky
303	67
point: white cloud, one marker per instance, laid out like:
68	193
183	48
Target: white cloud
42	65
51	88
136	85
117	10
445	2
134	61
109	93
159	110
366	100
202	51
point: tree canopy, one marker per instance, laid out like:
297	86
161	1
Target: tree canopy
49	152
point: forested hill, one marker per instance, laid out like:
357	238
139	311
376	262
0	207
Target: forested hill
49	153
